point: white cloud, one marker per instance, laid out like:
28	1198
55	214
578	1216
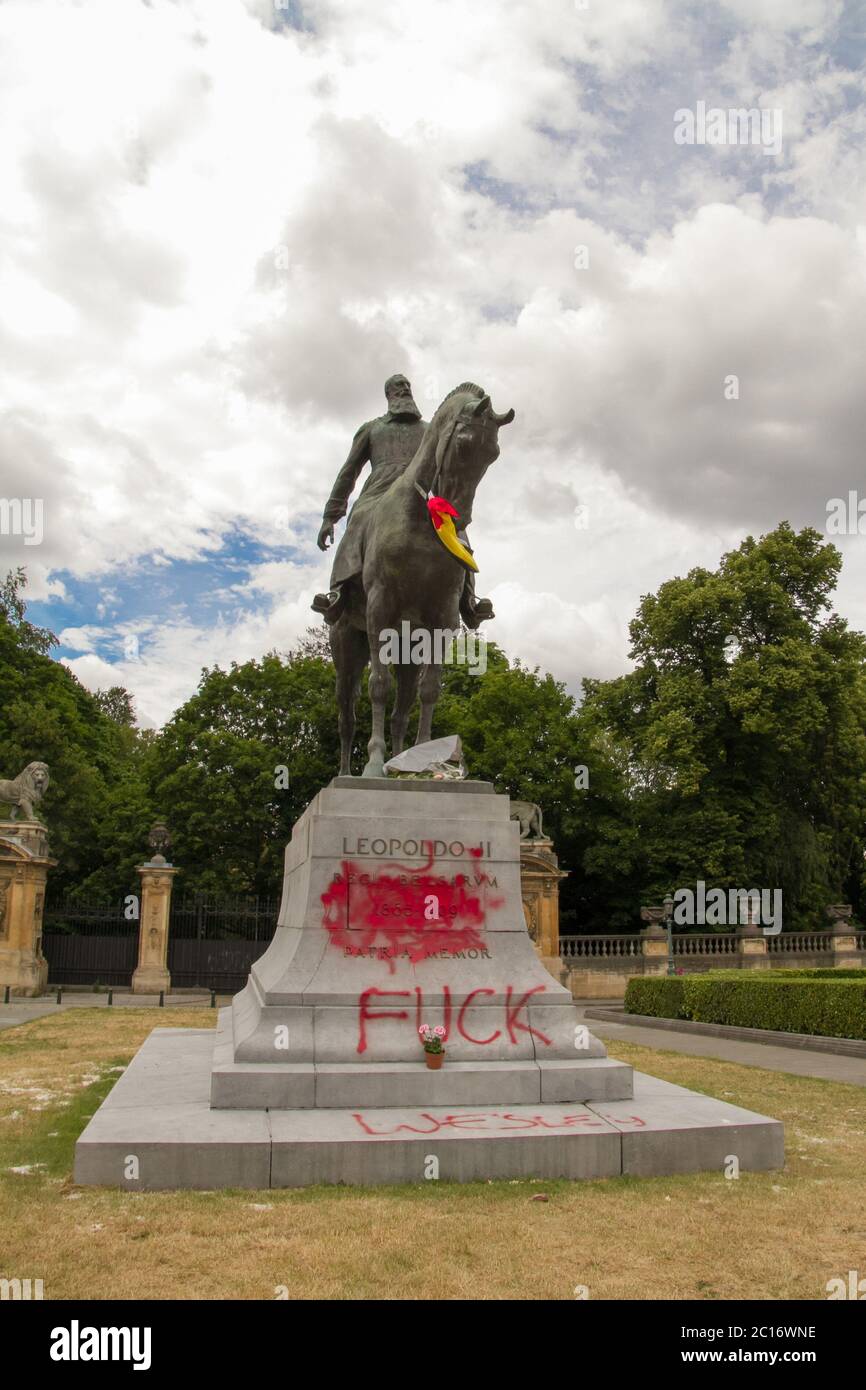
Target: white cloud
220	242
81	639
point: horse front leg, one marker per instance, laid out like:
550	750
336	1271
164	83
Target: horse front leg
379	685
407	689
431	686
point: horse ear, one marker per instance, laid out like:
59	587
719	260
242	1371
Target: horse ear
482	407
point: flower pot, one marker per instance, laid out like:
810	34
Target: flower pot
434	1060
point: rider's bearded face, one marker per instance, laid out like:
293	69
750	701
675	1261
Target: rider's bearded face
400	402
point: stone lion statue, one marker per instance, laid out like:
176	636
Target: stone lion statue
26	790
529	815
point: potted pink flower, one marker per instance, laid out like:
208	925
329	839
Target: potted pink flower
431	1041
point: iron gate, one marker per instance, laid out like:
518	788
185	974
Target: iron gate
89	942
213	941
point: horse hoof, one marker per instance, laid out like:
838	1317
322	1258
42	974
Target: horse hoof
375	768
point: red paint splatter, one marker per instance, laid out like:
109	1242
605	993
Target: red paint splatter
384	912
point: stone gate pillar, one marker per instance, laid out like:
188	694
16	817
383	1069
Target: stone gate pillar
151	974
24	865
539	887
844	933
654	941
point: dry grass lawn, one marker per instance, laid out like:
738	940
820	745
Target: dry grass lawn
766	1235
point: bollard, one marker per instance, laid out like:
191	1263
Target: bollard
110	997
59	995
6	993
213	998
162	998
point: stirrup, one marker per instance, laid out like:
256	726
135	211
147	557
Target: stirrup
330	605
474	614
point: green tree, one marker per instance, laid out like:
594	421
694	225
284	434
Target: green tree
117	704
47	715
744	728
12	614
239	762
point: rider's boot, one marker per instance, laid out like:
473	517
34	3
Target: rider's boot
331	604
474	611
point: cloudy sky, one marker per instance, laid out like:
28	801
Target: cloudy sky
224	223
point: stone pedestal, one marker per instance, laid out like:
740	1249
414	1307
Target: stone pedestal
402	905
540	876
24	865
151	974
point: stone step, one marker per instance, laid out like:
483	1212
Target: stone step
158	1114
339	1085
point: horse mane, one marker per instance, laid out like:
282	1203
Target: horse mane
438	435
467	387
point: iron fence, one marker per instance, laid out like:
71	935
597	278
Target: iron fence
207	916
213	940
69	915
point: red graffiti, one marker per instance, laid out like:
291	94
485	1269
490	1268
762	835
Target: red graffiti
634	1120
513	1023
492	1121
365	1015
461	1027
407	909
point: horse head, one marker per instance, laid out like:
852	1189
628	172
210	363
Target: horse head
466	430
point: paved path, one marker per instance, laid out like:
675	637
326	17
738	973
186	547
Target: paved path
824	1065
23	1010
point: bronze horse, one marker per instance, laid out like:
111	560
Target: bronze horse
409	575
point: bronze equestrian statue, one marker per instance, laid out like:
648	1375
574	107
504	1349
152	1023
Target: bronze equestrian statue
392	567
388	444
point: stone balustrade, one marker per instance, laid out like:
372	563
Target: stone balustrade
600	966
810	943
582	947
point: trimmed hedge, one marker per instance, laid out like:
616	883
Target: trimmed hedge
831	1008
825	972
661	996
818	972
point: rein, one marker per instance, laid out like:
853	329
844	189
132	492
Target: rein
423	492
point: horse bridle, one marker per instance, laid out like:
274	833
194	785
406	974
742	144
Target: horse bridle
486	420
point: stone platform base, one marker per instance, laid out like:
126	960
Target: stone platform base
341	1085
159	1115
